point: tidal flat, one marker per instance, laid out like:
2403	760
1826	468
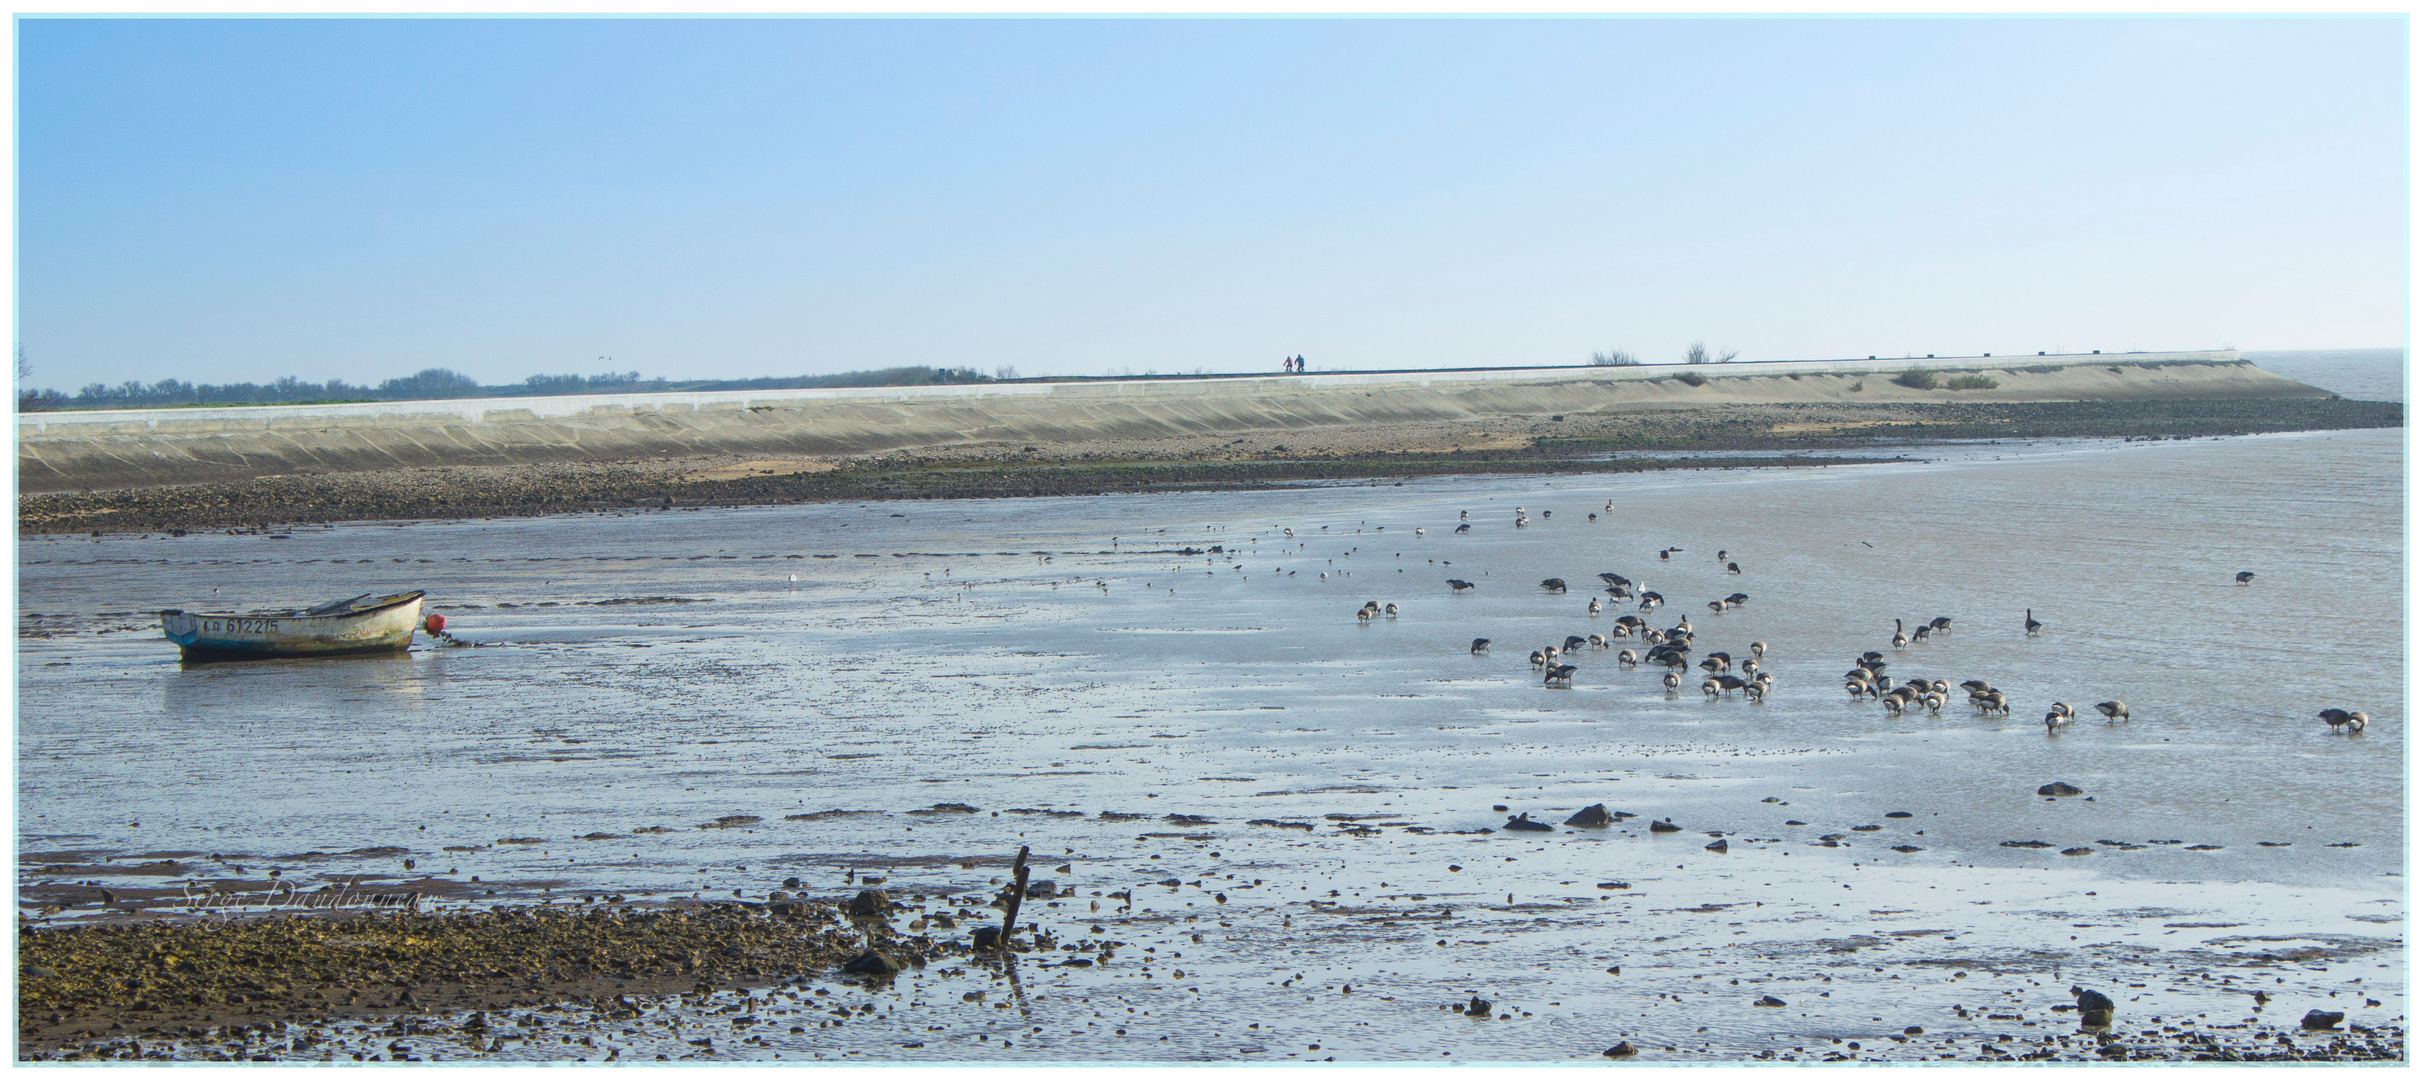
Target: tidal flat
1274	831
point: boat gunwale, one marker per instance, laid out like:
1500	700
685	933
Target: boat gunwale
397	600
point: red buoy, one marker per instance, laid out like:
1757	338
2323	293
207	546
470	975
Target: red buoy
434	623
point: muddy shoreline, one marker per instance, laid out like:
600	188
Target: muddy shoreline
583	982
1578	443
177	978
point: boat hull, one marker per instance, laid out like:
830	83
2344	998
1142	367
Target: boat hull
385	626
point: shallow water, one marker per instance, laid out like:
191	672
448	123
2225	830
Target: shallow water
2362	374
1045	661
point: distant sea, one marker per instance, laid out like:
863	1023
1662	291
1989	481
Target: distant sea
2363	374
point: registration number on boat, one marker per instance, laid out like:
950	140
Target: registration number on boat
240	626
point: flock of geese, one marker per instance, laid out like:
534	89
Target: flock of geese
1670	648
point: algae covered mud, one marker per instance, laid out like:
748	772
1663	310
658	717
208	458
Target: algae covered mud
1274	831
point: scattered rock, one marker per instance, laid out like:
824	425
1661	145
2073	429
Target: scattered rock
1770	1002
1900	814
1477	1007
2058	788
2318	1020
1523	823
1592	817
2077	851
2025	844
1663	826
872	962
1720	847
2093	1009
869	902
1622	1050
1906	848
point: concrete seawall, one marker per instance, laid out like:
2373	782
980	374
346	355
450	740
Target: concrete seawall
116	449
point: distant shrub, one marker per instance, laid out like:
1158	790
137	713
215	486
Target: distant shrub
1691	378
1858	386
1698	355
1915	379
1972	382
1614	358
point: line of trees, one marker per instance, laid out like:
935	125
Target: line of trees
436	383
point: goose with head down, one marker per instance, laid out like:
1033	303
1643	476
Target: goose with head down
2060	716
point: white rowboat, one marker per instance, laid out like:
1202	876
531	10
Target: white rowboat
366	623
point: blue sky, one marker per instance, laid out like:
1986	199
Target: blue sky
221	200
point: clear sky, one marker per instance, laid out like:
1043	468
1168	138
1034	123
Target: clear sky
221	200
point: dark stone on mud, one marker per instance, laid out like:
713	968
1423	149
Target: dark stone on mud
1042	889
1622	1050
1592	817
2058	788
1720	846
872	962
1523	823
869	902
1663	826
1770	1002
792	883
986	937
2093	1008
1477	1007
2318	1020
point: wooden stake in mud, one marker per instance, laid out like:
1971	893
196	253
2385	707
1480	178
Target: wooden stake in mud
1017	893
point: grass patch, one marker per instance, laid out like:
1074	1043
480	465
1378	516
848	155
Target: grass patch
1972	382
1915	379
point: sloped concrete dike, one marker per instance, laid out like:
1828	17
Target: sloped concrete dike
121	449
